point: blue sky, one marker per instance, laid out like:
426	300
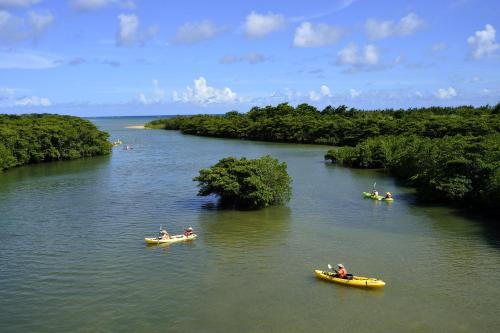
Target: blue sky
144	57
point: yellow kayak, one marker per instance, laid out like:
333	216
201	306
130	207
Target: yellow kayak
172	239
357	281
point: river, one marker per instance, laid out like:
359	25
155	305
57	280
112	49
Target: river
72	256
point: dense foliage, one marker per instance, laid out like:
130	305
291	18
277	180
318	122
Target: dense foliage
338	126
36	138
450	154
245	182
464	170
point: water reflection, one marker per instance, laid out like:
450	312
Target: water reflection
237	228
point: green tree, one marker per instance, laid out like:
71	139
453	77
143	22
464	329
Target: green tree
246	183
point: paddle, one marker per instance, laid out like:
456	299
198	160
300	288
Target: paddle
331	268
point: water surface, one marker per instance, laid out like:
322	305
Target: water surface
72	258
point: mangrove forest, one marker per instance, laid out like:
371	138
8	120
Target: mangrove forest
449	154
36	138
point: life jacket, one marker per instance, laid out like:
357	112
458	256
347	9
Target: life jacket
342	273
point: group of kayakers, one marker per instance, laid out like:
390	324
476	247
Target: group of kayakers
165	235
388	195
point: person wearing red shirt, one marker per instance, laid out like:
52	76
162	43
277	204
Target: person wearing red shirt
342	272
188	232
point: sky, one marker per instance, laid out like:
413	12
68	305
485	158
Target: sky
145	57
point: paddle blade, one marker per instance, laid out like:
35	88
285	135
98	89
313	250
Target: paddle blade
329	267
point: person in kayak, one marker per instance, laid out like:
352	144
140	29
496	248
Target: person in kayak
388	195
188	232
342	272
164	234
375	193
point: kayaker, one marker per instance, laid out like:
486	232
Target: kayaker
342	272
375	193
388	195
164	234
188	232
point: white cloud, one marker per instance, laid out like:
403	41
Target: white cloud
15	28
193	32
314	96
351	57
32	101
382	29
316	35
17	3
446	93
25	60
325	91
252	58
6	92
204	94
260	25
40	22
98	4
158	95
354	93
129	32
129	29
439	47
483	43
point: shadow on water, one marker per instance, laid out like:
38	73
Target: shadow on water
53	169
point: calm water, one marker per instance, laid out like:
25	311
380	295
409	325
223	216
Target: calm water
72	257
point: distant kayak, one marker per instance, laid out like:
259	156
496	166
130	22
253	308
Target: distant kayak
173	239
356	281
376	197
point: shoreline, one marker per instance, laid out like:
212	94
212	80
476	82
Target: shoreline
136	126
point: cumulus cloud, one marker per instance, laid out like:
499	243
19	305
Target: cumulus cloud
314	96
8	99
382	29
129	32
316	35
351	56
157	95
203	94
32	101
483	43
354	93
260	25
324	91
17	3
446	93
194	32
89	5
15	28
252	58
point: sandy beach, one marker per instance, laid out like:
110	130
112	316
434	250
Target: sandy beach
136	126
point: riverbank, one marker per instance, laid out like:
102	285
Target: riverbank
136	126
